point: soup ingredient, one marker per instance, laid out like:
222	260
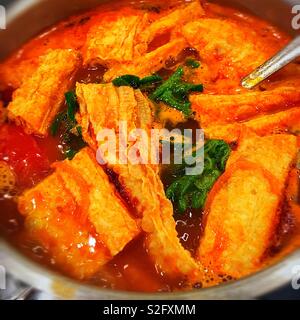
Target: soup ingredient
243	208
192	63
67	116
172	22
140	182
7	179
137	83
72	105
223	109
113	39
22	153
39	98
191	191
78	216
104	106
149	63
283	121
66	125
124	42
227	46
175	93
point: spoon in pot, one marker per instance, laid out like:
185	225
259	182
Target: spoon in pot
281	59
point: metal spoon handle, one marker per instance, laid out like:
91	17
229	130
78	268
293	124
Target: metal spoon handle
281	59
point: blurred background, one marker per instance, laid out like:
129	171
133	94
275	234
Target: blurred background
5	2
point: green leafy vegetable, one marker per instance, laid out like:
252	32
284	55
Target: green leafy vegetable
150	81
66	118
79	130
72	104
175	92
191	191
135	82
65	125
70	153
192	63
61	117
127	80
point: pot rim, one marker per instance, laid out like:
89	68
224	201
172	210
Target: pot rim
271	278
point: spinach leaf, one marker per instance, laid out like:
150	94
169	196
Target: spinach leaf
127	80
192	63
65	125
190	192
219	151
175	92
135	82
72	104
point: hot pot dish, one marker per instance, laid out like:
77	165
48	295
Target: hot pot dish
149	226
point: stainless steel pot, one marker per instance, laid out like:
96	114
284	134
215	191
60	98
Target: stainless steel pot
28	17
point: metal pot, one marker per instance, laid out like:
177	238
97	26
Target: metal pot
27	18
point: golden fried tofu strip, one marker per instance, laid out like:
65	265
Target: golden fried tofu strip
78	216
234	48
243	206
149	63
114	40
172	21
104	106
13	76
122	39
224	109
145	190
279	122
100	107
38	100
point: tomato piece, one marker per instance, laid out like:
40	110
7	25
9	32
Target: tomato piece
23	154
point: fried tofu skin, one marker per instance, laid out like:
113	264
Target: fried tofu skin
243	208
114	40
145	190
123	39
172	22
236	49
280	122
78	216
144	60
224	109
12	76
114	105
103	106
81	33
39	99
150	63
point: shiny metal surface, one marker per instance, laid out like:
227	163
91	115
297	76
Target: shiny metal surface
28	17
280	60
